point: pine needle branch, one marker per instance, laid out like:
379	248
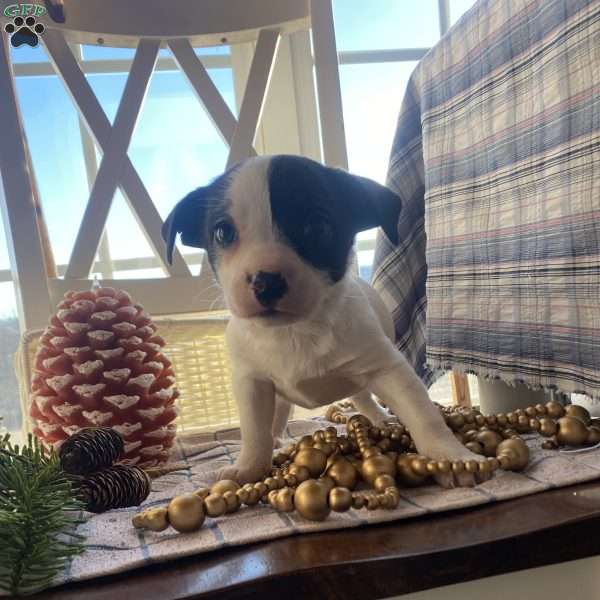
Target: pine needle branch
38	515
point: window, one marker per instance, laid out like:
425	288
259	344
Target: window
175	146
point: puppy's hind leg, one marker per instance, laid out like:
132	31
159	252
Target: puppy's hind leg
365	404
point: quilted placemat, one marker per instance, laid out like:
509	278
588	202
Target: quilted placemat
113	545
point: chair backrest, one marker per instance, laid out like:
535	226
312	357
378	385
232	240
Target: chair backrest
148	25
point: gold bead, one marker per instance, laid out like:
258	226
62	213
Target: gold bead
202	493
371	451
470	435
479	420
270	483
540	409
377	465
484	467
382	482
301	473
548	426
280	459
419	465
471	466
493	462
343	473
253	497
522	424
432	467
550	444
534	424
571	431
225	485
344	445
291	480
324	447
154	519
242	495
385	444
232	501
358	501
261	488
489	440
406	475
285	500
512	418
279	481
319	436
474	447
593	435
311	458
310	500
393	497
554	409
328	482
491	420
215	505
186	513
455	421
358	421
458	466
372	502
444	466
516	450
501	420
505	462
579	412
305	442
340	499
271	497
531	412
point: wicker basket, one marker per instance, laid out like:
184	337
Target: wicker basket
196	346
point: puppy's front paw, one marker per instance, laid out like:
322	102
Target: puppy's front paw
242	473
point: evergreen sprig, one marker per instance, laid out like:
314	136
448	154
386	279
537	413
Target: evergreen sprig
38	516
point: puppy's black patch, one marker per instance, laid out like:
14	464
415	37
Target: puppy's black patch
319	210
195	215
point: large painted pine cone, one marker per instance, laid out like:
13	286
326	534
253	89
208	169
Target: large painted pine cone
100	363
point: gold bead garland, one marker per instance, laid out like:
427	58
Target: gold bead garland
320	473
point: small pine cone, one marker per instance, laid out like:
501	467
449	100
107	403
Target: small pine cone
116	487
91	449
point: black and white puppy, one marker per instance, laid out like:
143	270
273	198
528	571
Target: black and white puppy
304	328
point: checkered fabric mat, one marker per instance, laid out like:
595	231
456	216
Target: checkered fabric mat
113	545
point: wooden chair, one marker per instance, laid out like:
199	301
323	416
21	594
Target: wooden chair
147	26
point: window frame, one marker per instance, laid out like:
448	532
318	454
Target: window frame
292	85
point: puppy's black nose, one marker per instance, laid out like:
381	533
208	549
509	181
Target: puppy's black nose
268	287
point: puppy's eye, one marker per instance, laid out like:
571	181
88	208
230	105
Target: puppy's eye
224	233
320	231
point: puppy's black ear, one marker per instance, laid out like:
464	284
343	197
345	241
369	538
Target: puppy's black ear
187	219
371	204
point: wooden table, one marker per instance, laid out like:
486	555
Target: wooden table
376	561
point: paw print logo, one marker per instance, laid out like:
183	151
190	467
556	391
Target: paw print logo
24	31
